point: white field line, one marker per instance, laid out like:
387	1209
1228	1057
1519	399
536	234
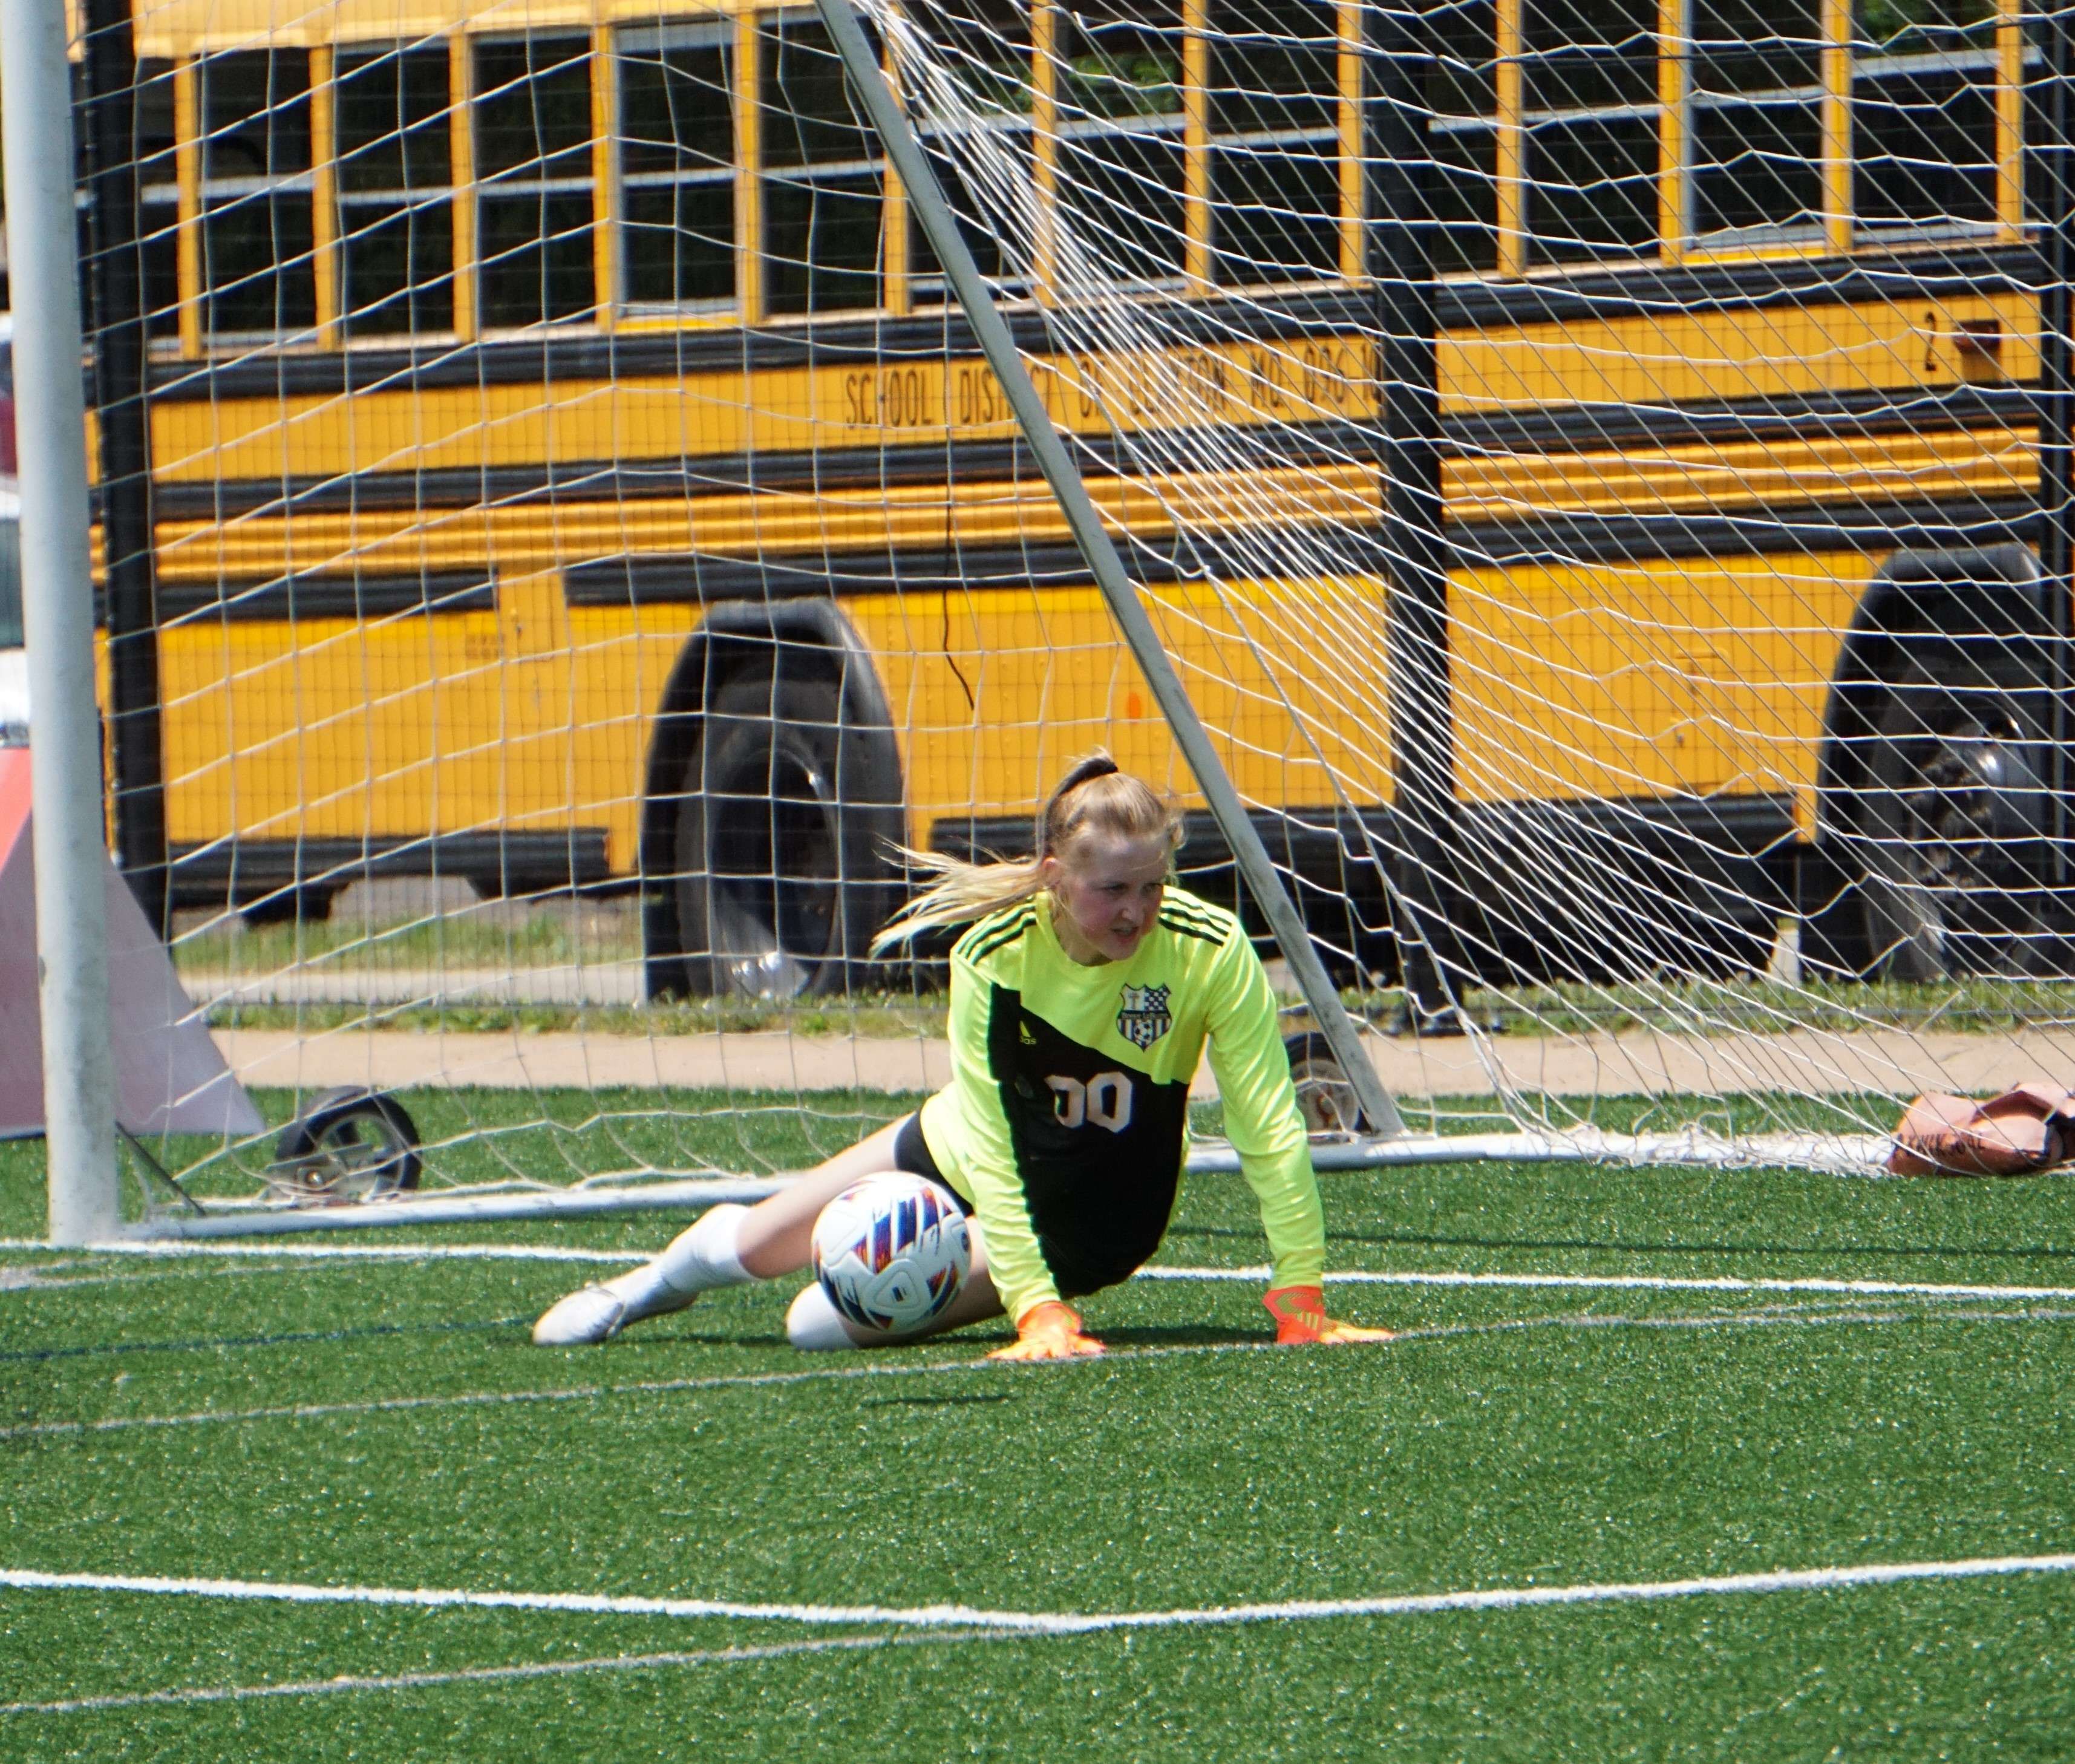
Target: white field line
623	1258
479	1674
1862	1289
942	1617
1768	1318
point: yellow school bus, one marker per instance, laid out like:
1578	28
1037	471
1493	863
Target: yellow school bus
564	473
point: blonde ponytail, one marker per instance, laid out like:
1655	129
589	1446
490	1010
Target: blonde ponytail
1094	798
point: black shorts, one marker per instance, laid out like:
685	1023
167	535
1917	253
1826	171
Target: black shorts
912	1154
1077	1268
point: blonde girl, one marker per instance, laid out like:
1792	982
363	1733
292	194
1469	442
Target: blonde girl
1081	999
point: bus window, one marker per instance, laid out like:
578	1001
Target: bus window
1122	131
158	192
258	272
1590	80
395	189
532	123
1757	123
1463	94
677	165
824	204
1923	113
1275	139
986	46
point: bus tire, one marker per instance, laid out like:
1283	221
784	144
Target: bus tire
780	874
1944	830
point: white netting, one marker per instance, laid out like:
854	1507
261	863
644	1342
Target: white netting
1592	463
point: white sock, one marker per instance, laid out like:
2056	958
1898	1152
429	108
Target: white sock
706	1254
814	1325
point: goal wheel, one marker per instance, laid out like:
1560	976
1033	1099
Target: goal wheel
351	1145
1324	1097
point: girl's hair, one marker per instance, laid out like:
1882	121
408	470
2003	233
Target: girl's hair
1094	798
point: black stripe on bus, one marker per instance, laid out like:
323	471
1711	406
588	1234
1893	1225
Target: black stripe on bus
503	862
1800	529
1803	529
313	596
1618	292
1553	430
678	578
734	474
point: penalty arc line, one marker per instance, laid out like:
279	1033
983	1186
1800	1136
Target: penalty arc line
946	1616
479	1674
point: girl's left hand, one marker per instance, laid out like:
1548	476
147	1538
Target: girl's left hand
1049	1331
1300	1318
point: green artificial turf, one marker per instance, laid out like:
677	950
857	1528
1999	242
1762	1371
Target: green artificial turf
386	1423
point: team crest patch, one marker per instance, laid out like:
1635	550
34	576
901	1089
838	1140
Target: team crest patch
1144	1016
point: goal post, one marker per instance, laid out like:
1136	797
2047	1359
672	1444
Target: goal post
1092	539
57	611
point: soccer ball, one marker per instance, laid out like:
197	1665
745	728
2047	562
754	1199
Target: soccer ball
891	1252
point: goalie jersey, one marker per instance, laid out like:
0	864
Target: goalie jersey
1066	1121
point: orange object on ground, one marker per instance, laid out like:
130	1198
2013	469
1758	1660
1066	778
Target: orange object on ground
1300	1319
2022	1131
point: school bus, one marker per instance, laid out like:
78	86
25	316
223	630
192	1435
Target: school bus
564	472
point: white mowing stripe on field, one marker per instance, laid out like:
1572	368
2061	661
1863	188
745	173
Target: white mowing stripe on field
623	1258
939	1617
1404	1338
1862	1289
479	1674
1869	1289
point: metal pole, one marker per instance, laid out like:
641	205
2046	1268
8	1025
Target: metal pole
1399	217
2057	394
999	347
123	419
57	608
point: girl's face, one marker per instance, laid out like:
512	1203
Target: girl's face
1108	896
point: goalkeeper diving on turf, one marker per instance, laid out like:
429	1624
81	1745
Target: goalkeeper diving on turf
1081	999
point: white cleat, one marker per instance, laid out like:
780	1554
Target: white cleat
594	1313
588	1315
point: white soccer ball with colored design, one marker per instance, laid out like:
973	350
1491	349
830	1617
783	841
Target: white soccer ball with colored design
891	1252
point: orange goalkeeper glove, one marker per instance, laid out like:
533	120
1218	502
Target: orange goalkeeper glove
1300	1317
1049	1331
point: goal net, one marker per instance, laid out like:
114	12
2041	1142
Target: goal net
1599	468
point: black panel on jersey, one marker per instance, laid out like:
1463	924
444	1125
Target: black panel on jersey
1098	1145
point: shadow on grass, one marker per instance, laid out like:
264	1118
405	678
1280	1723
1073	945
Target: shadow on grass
937	1403
1177	1335
1430	1240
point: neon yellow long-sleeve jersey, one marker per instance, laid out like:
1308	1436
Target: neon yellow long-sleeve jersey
1066	1120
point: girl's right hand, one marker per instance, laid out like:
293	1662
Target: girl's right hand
1049	1331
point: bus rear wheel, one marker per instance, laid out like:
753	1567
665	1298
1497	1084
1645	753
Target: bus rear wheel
779	884
1947	826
